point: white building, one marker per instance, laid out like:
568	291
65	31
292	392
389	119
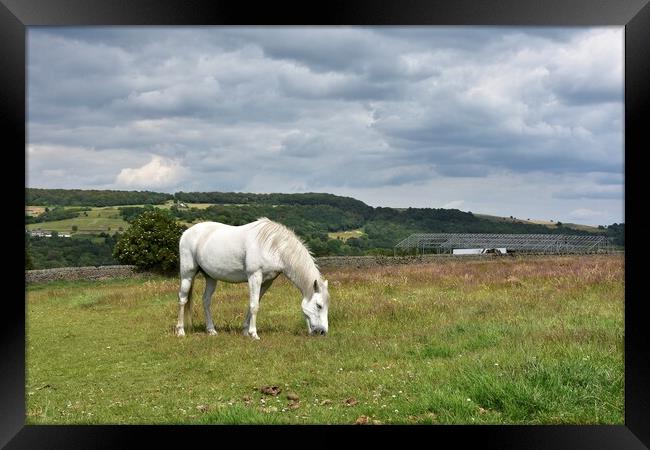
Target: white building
478	251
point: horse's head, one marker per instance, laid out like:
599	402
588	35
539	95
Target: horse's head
315	309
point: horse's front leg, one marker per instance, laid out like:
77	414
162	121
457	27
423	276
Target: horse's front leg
254	288
265	286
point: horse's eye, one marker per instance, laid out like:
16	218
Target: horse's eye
319	306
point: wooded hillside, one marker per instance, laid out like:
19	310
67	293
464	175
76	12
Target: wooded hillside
329	224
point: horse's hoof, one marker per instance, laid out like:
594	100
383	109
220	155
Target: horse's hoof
180	333
212	332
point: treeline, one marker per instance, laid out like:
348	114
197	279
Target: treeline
306	199
616	232
432	220
77	251
323	218
81	197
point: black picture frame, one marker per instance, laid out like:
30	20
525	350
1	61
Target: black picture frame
634	15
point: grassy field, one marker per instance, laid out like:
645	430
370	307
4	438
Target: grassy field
345	235
34	210
199	205
548	223
97	220
495	341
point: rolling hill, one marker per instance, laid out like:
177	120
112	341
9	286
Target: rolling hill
329	224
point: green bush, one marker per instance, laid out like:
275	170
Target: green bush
29	263
151	242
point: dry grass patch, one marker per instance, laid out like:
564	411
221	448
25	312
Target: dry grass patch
500	340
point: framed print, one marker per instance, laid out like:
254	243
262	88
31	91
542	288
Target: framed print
390	110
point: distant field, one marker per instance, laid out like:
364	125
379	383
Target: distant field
575	226
345	235
107	219
34	210
496	341
99	219
199	205
548	223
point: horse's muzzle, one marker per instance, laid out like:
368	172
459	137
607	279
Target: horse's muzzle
318	332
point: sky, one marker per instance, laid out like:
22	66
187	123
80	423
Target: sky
510	121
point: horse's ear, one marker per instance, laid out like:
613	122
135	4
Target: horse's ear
316	286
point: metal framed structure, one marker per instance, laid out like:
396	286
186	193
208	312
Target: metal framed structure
521	243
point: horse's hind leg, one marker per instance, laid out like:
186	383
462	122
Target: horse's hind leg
185	296
210	285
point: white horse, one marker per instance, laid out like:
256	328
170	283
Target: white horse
257	253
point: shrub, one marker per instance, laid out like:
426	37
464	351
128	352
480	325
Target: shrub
151	242
29	263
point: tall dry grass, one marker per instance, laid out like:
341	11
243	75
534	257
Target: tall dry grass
499	340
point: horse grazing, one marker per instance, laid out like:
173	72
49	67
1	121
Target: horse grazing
255	253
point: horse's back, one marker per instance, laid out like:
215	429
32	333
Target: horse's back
219	249
197	233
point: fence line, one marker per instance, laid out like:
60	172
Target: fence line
116	271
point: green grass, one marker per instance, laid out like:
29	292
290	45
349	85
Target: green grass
200	205
106	219
345	235
99	219
500	341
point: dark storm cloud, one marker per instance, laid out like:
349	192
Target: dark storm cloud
325	108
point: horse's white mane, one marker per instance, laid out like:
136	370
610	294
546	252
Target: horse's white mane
292	250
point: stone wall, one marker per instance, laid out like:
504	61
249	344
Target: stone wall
104	272
79	273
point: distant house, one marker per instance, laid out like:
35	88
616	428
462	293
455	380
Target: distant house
40	233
